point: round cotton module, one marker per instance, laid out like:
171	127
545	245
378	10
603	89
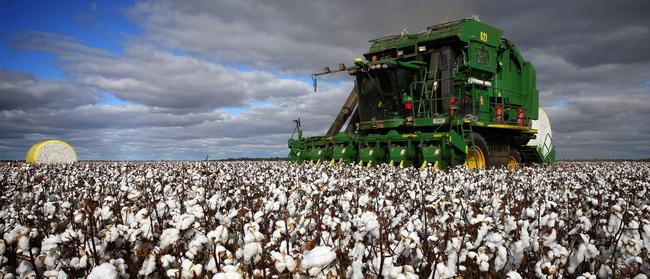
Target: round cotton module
51	152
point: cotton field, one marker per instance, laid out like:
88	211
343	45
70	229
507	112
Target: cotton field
281	220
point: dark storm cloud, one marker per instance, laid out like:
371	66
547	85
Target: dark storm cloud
298	36
591	59
24	91
585	33
152	77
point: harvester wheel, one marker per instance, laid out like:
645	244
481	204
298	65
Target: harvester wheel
514	159
478	156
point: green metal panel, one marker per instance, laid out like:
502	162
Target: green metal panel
372	154
344	153
465	30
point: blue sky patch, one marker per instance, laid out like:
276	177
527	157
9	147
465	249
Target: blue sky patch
98	24
110	99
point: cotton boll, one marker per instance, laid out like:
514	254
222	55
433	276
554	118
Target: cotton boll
55	274
252	233
355	271
219	235
229	272
283	262
316	259
190	270
168	238
134	195
513	275
148	266
121	267
106	213
25	270
23	242
501	258
172	273
184	221
167	261
49	209
251	251
196	245
103	271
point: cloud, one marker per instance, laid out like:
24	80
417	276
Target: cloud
149	76
298	36
25	92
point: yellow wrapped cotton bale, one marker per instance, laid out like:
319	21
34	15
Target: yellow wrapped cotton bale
51	152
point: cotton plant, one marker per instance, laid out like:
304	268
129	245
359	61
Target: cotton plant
259	219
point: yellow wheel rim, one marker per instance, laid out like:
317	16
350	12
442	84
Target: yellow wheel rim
512	163
475	159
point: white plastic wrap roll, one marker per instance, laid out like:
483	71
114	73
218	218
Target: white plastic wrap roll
544	133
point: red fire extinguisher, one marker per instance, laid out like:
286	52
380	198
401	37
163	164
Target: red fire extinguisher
499	113
520	117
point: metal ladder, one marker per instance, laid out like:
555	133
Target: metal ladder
427	95
469	140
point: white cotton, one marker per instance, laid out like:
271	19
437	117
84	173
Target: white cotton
190	270
167	261
184	221
355	270
55	274
251	250
172	273
513	275
317	258
120	265
148	266
23	242
252	233
196	245
49	208
103	271
443	271
168	237
106	213
586	275
134	195
283	262
501	258
219	235
229	272
25	270
368	222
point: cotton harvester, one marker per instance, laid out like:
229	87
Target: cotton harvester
457	93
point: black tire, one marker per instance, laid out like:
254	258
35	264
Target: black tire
510	161
480	143
514	154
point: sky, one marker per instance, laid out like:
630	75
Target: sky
182	80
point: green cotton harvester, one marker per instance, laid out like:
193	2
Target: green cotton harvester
457	93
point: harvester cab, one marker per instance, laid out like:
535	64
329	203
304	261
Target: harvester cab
457	93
